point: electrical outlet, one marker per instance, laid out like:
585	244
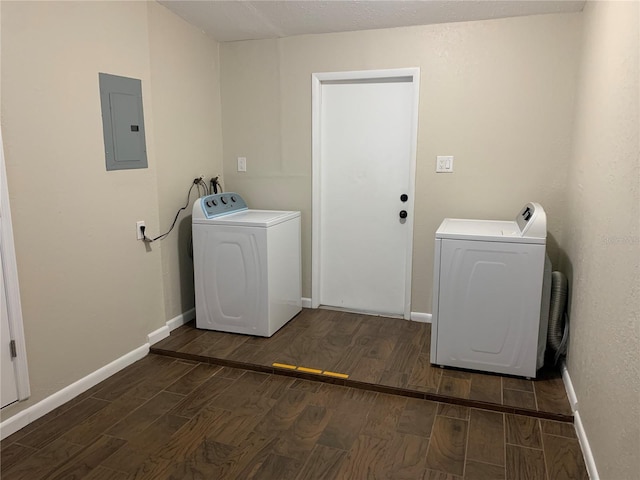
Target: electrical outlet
139	233
242	164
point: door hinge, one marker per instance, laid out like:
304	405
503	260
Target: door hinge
12	347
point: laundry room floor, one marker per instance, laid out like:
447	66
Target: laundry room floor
378	354
164	418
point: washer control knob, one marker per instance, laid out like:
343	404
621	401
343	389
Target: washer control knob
223	200
213	202
404	197
233	199
403	214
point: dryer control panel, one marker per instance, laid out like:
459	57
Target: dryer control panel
222	204
532	221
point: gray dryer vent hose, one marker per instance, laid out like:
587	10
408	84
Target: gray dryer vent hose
558	333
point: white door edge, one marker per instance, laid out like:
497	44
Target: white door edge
10	270
317	79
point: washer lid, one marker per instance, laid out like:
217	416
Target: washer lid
529	226
250	218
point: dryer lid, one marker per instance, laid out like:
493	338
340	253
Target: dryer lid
530	226
250	218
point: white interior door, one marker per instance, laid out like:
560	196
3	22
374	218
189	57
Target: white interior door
15	378
9	392
366	155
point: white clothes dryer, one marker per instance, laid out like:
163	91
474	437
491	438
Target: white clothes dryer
491	293
246	266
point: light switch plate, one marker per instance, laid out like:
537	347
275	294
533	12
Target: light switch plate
444	164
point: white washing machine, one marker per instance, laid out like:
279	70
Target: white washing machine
492	285
246	266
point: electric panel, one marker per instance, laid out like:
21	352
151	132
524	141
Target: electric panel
122	122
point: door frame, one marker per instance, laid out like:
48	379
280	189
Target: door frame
317	79
11	285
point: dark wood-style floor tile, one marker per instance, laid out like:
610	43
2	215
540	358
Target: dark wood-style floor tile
486	388
129	458
486	437
183	443
90	429
436	475
59	425
201	396
103	473
366	459
245	424
115	387
408	457
238	424
454	386
192	379
323	463
519	398
138	420
343	429
153	384
417	417
483	471
383	418
276	466
522	384
300	438
43	461
238	390
179	337
14	453
447	448
560	429
453	411
525	464
245	458
424	376
564	458
284	412
551	396
385	351
82	463
523	431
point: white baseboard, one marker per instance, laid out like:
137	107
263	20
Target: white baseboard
181	319
28	415
163	332
25	417
415	316
159	334
577	422
421	317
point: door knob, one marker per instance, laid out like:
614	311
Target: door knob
403	214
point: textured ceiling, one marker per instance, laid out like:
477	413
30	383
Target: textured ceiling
232	20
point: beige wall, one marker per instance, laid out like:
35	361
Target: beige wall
186	111
602	240
498	95
91	292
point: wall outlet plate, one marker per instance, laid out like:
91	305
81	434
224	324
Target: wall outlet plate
444	164
139	234
242	164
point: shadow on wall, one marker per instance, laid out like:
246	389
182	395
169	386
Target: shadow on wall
563	264
185	264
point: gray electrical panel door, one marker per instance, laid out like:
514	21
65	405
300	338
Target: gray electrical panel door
122	122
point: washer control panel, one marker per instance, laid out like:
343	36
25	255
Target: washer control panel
222	204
